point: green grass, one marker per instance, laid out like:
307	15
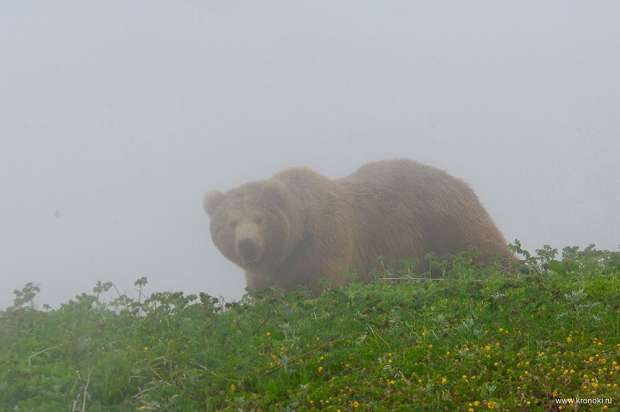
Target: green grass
479	339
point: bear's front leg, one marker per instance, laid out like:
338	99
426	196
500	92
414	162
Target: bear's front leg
255	281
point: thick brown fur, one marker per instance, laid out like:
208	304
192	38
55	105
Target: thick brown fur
299	226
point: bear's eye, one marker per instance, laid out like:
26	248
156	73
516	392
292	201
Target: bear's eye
232	223
258	220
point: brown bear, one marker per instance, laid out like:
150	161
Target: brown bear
299	226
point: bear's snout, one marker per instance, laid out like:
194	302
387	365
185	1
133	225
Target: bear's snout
248	250
248	243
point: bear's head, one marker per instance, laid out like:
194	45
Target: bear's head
255	225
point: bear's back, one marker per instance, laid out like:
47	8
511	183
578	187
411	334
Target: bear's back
405	208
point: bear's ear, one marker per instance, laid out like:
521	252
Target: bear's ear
212	200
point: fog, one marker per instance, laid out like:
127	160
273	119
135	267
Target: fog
116	117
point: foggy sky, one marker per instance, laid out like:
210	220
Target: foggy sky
116	117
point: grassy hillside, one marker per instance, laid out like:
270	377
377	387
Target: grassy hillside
479	339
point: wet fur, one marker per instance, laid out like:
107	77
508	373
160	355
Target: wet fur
395	209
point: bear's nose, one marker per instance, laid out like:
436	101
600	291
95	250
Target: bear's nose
247	250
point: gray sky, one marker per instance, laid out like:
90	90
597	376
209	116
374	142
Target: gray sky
116	116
